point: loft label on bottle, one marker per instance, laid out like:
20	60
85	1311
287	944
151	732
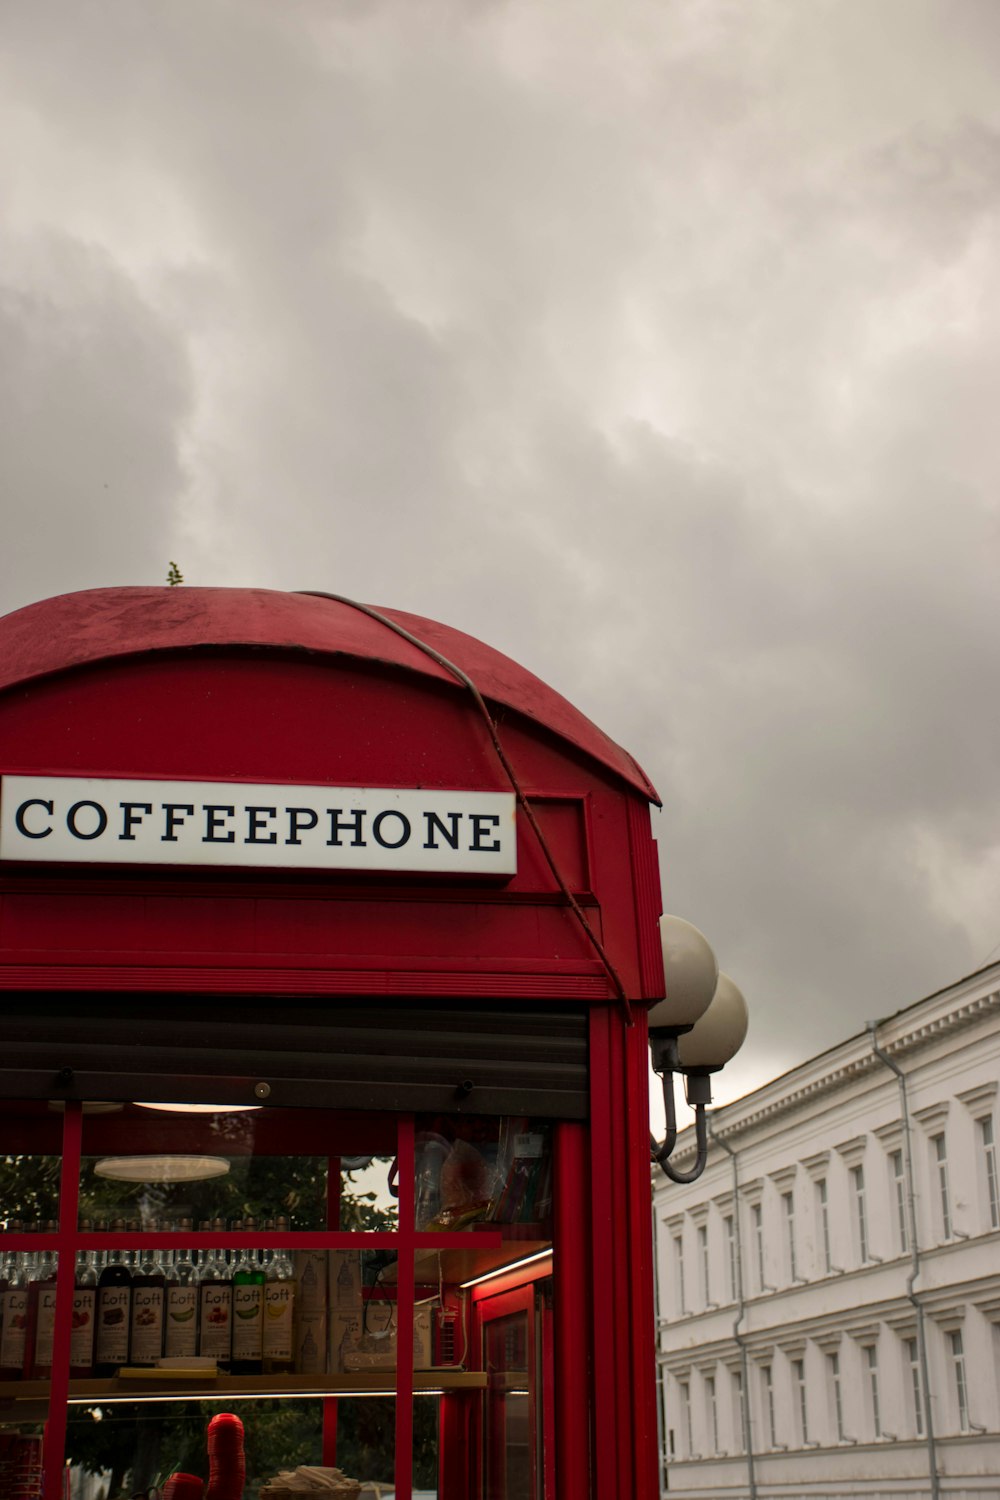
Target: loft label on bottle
248	1305
81	1339
216	1308
45	1327
112	1325
279	1309
147	1324
15	1328
181	1337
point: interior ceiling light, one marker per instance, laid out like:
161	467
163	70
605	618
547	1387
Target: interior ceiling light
199	1109
161	1168
514	1265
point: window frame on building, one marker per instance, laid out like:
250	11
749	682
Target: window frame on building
938	1143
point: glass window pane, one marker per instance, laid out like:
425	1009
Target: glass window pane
159	1166
484	1170
30	1161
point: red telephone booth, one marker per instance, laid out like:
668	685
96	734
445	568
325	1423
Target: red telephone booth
327	936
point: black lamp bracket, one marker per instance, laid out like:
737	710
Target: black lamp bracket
663	1048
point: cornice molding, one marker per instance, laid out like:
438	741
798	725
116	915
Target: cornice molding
730	1121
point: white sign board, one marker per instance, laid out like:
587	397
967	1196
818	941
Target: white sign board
65	819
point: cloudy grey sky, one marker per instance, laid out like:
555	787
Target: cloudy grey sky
653	341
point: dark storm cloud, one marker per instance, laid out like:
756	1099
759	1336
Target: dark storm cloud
656	345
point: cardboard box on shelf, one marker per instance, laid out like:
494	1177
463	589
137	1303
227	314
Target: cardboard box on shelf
344	1281
310	1279
310	1312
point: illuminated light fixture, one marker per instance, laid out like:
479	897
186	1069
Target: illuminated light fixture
200	1109
172	1395
514	1265
161	1168
700	1025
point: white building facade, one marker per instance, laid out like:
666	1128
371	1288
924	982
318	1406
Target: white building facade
829	1289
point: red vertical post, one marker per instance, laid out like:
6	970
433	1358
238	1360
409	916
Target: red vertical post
69	1202
571	1282
330	1408
547	1416
646	1480
624	1375
604	1232
405	1279
455	1445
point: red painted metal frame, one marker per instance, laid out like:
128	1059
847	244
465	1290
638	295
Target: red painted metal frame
405	1277
622	1285
330	1406
407	1241
166	685
199	716
603	1413
455	1473
573	1343
69	1197
519	1298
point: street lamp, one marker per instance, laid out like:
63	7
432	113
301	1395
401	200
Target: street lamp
695	1031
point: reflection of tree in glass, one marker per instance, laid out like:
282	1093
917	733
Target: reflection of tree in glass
29	1187
137	1446
259	1187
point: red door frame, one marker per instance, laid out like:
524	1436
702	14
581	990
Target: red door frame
519	1299
621	1287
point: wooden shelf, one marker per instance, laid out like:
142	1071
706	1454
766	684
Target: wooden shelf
17	1395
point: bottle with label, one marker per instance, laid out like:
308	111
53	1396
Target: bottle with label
84	1321
14	1311
181	1336
114	1312
148	1297
215	1308
279	1311
247	1282
41	1313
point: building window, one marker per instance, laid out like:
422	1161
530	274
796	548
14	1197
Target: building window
703	1264
836	1394
898	1170
667	1448
916	1386
739	1414
788	1211
823	1215
712	1412
860	1211
799	1379
988	1147
730	1231
767	1404
871	1369
940	1155
679	1292
958	1369
684	1387
757	1217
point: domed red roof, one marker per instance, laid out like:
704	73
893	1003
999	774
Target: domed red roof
73	630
